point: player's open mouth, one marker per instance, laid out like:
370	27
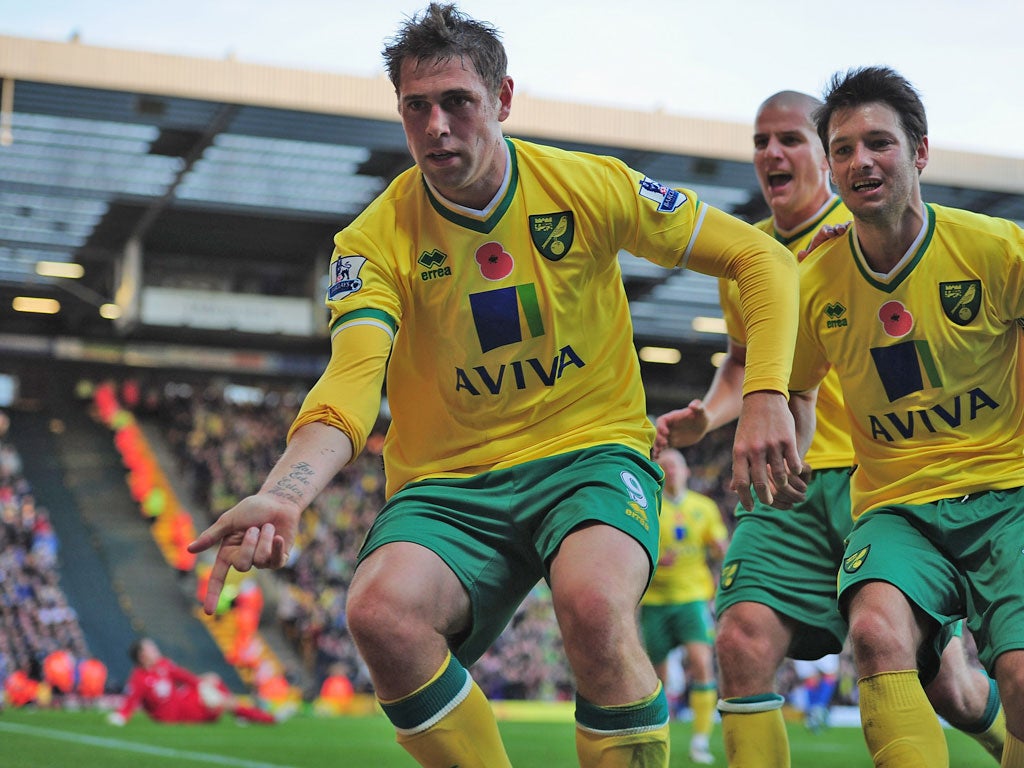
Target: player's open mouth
776	180
862	186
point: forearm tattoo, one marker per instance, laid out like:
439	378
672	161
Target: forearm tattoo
296	484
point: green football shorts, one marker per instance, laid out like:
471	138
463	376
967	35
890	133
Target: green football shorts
498	531
952	558
789	560
667	626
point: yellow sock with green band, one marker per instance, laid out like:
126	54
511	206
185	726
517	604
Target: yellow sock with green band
1013	752
448	721
900	727
628	736
990	730
754	732
703	699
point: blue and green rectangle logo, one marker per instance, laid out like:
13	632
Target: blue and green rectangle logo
499	315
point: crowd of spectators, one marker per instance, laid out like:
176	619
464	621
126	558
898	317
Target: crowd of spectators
35	618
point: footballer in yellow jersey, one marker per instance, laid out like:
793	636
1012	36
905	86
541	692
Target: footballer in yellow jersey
929	355
508	324
779	594
691	525
512	378
485	283
917	308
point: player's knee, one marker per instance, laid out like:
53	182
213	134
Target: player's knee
588	613
875	641
374	619
736	645
741	638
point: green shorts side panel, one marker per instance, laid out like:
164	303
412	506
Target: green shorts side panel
789	561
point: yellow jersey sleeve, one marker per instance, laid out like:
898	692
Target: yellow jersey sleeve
347	395
766	277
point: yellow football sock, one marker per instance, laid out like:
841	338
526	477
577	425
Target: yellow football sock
1013	752
754	732
703	702
990	730
627	736
448	722
900	727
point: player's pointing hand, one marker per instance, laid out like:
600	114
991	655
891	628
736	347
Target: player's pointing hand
257	532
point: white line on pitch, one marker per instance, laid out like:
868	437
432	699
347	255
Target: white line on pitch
133	746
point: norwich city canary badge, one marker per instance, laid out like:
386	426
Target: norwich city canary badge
961	300
553	233
853	563
729	573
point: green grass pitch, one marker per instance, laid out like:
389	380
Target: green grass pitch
37	738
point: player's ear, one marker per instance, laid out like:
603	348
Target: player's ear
921	154
505	98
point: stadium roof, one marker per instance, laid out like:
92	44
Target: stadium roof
223	177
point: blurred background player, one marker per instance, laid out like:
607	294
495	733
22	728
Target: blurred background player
777	594
675	610
817	681
169	693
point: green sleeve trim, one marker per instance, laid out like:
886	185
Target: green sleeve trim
366	314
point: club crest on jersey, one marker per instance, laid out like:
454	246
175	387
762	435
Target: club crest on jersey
961	300
345	277
668	199
729	573
853	563
553	233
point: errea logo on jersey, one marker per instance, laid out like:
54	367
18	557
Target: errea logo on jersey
834	313
433	265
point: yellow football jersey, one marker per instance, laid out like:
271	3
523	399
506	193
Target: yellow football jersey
929	357
687	528
512	337
831	446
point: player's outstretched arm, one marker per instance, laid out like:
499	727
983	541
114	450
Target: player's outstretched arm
765	454
260	530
